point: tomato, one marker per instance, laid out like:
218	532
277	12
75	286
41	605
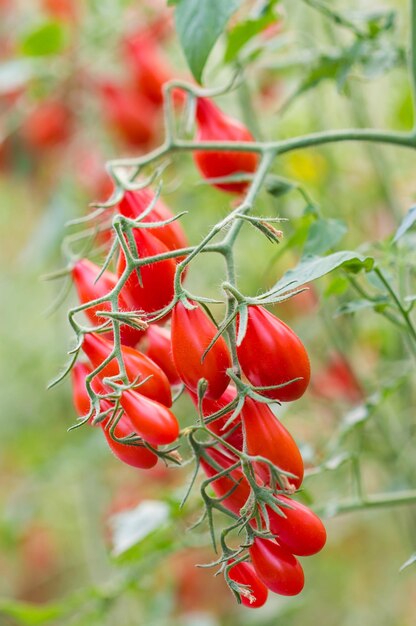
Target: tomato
233	434
131	114
158	347
244	574
279	570
300	531
151	420
84	274
157	288
134	203
214	125
80	396
157	387
266	436
234	484
136	455
48	125
63	10
271	354
337	381
192	332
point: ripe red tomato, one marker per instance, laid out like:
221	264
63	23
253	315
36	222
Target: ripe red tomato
157	387
271	354
80	396
136	455
47	126
244	574
279	570
134	203
300	531
337	381
266	436
234	484
214	125
233	434
151	420
84	274
158	347
192	332
157	288
132	115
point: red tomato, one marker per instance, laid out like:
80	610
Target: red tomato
47	126
134	203
80	396
271	354
64	10
256	594
234	484
214	125
84	274
151	420
300	531
157	387
131	115
279	570
234	433
266	436
158	347
136	455
157	288
192	332
337	381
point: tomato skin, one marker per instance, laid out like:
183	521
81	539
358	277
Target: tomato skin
283	356
266	436
130	114
235	481
157	289
135	455
158	347
301	531
156	388
134	203
84	274
192	332
244	574
80	396
234	433
47	126
151	420
214	125
279	570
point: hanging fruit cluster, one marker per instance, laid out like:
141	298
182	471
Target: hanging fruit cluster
147	335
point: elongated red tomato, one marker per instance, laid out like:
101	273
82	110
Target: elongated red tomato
48	125
271	354
256	594
279	570
136	455
157	387
134	203
214	125
233	484
157	346
233	434
300	531
192	331
80	396
266	436
157	288
84	274
151	420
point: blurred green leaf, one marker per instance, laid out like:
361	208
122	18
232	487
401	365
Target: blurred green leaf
357	305
324	235
277	186
131	527
30	614
46	39
241	34
199	23
407	223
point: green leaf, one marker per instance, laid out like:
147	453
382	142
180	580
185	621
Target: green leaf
324	235
241	34
277	186
131	527
47	39
357	305
407	223
409	562
311	268
199	23
28	614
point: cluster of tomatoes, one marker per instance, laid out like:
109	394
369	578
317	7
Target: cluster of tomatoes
186	349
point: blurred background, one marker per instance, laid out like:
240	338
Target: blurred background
80	84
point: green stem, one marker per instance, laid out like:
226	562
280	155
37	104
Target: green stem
412	61
380	501
405	315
